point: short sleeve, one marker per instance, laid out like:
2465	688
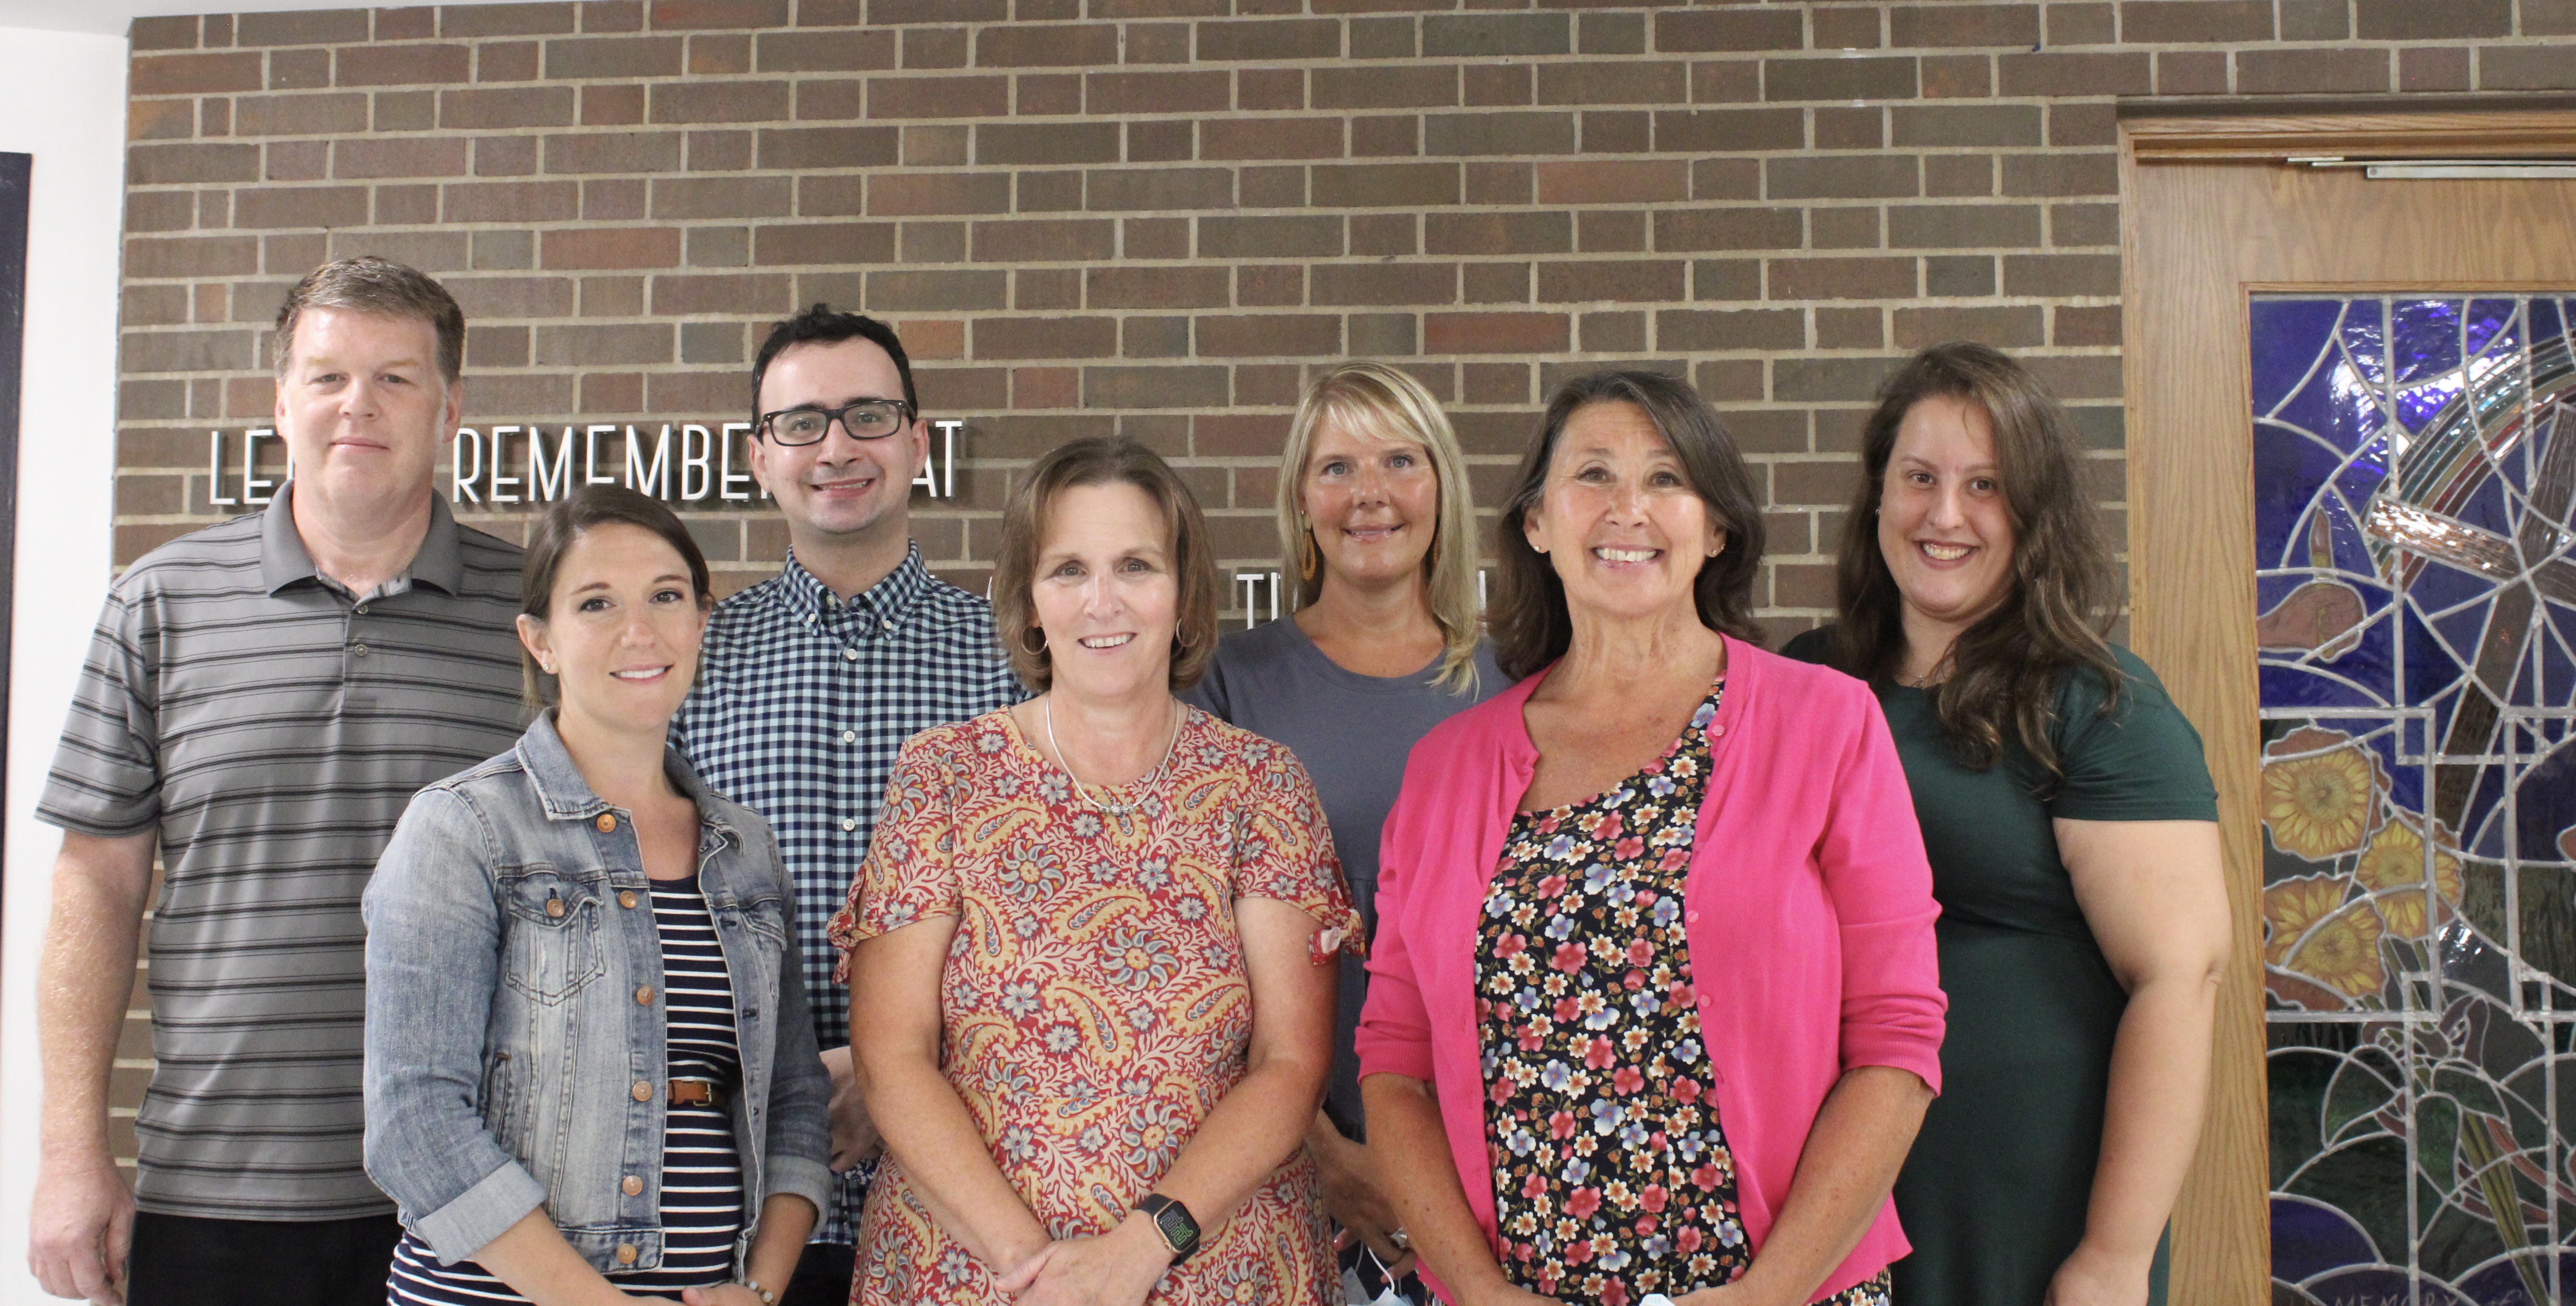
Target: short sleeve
911	870
2141	761
106	779
1284	848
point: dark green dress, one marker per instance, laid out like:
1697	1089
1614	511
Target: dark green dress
1993	1195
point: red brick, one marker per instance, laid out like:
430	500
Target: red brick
1130	286
1964	25
1729	130
1270	138
2526	67
1046	240
160	33
955	292
1842	278
718	101
505	108
1158	92
731	292
310	27
1045	337
398	156
1704	329
825	243
1264	40
505	20
900	194
299	115
510	201
1046	144
611	247
1269	335
2048	275
1499	232
1131	387
722	197
1610	281
792	148
2433	69
1727	228
192	256
2014	327
2191	72
194	74
1047	45
1377	87
1607	82
615	56
2061	174
2176	22
1841	176
1868	78
1383	185
2052	73
1494	333
823	52
1372	285
688	15
401	65
2310	72
1609	181
1729	31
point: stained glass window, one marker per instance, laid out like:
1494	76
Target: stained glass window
2414	466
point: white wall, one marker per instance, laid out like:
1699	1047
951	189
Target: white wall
62	99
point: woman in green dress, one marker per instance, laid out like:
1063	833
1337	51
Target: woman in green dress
2073	836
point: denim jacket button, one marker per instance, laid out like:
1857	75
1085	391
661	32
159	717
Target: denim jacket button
626	897
626	1253
632	1187
554	907
608	822
644	995
643	1090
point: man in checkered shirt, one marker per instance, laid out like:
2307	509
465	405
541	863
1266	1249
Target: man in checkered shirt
810	681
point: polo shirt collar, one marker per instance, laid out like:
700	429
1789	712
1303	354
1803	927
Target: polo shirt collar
283	559
887	600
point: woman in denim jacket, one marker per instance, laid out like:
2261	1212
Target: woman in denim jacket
590	1068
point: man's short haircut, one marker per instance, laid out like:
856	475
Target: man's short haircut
378	287
820	325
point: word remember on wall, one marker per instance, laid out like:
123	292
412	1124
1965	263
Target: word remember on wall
499	466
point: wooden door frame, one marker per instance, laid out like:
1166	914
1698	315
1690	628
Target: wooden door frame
2222	1225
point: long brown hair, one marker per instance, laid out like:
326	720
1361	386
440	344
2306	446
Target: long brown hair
1528	621
1103	460
2005	671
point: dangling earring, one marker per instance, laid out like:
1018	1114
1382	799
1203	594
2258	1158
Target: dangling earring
1309	558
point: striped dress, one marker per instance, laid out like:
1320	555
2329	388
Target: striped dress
702	1204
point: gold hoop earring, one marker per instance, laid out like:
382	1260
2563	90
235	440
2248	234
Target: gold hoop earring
1309	558
1040	650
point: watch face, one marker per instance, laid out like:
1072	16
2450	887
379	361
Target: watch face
1180	1232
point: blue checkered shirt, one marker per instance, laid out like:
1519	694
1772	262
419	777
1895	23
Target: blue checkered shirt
801	702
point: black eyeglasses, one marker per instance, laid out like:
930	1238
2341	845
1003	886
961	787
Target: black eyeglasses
864	419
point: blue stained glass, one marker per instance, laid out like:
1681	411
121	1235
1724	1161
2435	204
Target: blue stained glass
2424	1155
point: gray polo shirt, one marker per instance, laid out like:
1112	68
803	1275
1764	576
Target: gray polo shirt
271	727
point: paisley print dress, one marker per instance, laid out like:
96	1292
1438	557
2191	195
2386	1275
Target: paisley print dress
1612	1177
1094	998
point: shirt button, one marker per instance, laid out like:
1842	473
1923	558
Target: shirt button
362	609
554	907
626	897
644	995
643	1090
888	623
607	822
850	653
1717	730
360	650
849	823
849	736
626	1253
632	1187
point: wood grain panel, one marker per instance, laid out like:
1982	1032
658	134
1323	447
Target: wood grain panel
2198	238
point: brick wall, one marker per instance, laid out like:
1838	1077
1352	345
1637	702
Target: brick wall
1157	216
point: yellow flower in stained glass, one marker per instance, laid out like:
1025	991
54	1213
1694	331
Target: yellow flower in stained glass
2395	857
2343	952
2403	910
2320	789
2291	906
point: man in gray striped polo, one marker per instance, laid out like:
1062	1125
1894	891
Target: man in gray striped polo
260	701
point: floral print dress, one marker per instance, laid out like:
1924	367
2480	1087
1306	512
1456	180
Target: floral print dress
1612	1177
1094	997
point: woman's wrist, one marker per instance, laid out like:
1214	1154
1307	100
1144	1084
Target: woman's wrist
1144	1250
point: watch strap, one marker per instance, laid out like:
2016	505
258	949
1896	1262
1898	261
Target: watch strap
1179	1229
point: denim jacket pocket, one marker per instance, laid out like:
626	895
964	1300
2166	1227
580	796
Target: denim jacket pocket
767	916
553	928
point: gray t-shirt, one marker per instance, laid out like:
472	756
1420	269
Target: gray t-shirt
1353	732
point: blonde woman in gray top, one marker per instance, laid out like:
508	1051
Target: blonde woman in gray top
1377	527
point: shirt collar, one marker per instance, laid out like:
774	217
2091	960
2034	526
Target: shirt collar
887	600
283	559
566	796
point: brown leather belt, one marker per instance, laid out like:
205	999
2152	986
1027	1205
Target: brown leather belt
697	1092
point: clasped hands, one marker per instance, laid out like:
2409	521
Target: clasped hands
1117	1268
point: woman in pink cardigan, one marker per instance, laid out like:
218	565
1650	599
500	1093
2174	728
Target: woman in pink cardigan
1653	1010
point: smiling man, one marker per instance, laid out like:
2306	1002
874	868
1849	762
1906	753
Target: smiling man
811	680
260	700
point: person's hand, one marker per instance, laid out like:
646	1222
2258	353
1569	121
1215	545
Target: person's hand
1353	1199
723	1294
1116	1269
1507	1294
854	1136
81	1230
2091	1277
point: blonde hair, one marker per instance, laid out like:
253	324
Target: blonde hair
1375	400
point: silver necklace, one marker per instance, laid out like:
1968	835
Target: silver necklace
1065	760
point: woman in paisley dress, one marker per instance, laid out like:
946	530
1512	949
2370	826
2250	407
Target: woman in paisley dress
1092	949
1653	1012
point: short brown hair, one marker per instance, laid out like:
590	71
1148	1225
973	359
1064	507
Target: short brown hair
589	508
1529	623
378	287
1103	460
